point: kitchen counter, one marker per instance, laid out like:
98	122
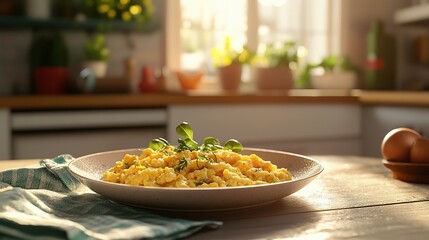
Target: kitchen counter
99	101
33	102
355	197
410	98
27	122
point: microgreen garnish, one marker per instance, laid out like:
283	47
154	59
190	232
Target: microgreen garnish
204	157
198	183
210	144
186	142
158	144
182	164
233	145
185	131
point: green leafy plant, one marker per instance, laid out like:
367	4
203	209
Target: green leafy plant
48	49
125	10
96	49
336	63
278	55
227	55
186	142
330	63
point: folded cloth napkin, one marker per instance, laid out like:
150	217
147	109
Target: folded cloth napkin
48	202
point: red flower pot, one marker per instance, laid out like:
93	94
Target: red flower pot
51	80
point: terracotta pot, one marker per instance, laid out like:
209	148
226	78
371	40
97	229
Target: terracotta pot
230	76
273	78
51	80
190	80
148	80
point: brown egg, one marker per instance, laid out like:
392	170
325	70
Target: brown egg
396	145
420	151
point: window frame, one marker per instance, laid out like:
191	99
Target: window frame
173	25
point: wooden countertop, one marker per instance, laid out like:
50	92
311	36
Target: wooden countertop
38	102
30	102
355	197
394	98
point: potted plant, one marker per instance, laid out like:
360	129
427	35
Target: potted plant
49	63
272	67
228	63
137	11
332	72
96	55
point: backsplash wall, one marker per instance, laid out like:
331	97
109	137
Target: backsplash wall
14	48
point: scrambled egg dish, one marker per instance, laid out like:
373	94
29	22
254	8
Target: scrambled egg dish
183	169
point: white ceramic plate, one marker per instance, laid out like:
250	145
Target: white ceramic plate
89	169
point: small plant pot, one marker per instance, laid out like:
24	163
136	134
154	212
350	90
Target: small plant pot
98	68
230	77
51	80
273	78
190	80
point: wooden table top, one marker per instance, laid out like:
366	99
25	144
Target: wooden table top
355	197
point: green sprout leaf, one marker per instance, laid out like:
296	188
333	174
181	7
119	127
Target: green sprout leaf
186	142
233	145
191	144
210	144
164	141
185	131
158	144
211	141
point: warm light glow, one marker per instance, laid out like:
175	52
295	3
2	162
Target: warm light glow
126	16
302	52
111	14
263	30
187	24
206	23
275	3
124	2
135	9
103	8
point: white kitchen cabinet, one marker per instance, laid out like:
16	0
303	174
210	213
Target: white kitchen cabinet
48	144
45	134
310	128
299	128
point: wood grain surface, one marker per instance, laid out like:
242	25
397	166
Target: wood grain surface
355	197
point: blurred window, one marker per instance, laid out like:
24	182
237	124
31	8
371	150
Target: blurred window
206	23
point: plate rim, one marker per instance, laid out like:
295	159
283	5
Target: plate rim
231	188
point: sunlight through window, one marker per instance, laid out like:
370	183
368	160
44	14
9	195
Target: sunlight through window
206	23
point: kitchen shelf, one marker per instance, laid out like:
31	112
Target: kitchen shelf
70	24
414	15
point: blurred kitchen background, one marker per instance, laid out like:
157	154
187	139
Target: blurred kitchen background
144	47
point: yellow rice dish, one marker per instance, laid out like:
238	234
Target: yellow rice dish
168	167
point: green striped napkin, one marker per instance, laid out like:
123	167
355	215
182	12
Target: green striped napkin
47	202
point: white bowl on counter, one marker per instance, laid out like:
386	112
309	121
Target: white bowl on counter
335	80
